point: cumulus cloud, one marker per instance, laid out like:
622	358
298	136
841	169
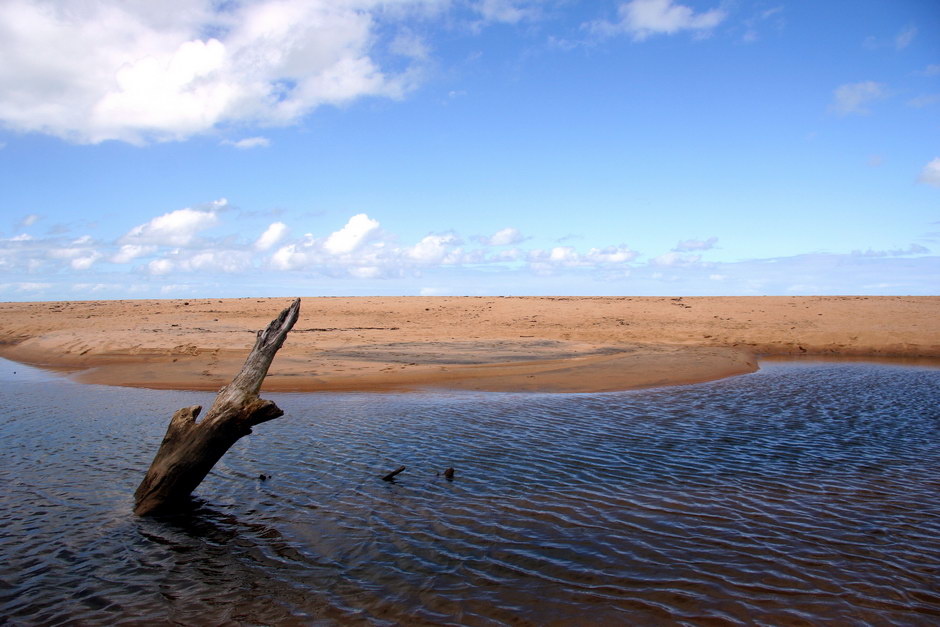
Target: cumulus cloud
129	252
271	236
84	262
160	266
611	255
434	249
505	237
348	238
854	97
362	251
139	71
560	257
248	142
79	253
642	19
931	173
176	228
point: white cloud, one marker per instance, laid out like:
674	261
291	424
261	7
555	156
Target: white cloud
248	142
139	71
564	255
676	259
853	97
607	258
913	249
434	249
696	244
288	258
442	259
160	266
506	11
28	221
22	237
407	44
271	236
85	261
351	236
611	255
80	255
224	260
92	287
176	228
932	70
172	288
644	18
26	286
129	252
505	237
931	173
905	37
365	272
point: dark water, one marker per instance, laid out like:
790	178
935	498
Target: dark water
803	494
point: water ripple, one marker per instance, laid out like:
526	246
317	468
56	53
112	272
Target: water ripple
803	494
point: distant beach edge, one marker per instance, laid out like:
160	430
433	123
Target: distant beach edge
504	344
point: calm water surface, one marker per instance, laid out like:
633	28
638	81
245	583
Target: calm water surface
803	494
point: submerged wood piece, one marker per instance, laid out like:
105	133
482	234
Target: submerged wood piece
190	449
392	474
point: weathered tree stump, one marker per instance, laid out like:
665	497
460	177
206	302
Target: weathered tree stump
189	449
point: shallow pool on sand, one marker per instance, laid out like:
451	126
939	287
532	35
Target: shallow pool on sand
807	493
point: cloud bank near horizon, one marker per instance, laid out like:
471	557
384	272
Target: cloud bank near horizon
175	252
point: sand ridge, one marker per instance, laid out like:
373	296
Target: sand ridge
566	344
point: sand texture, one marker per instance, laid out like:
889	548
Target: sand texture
557	344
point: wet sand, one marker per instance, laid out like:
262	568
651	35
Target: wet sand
552	344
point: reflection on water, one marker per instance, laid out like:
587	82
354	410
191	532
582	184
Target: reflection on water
803	494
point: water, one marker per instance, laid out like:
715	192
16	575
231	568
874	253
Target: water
803	494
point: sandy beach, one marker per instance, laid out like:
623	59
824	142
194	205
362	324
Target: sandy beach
552	344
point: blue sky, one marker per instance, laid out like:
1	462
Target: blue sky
323	147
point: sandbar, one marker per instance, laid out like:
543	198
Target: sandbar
532	344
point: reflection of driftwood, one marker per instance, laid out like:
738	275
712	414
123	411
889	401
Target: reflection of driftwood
392	474
189	449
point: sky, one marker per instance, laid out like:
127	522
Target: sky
226	148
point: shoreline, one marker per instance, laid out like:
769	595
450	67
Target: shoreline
526	344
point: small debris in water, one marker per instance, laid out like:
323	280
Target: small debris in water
449	474
262	477
392	474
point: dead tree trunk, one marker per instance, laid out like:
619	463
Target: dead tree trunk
189	449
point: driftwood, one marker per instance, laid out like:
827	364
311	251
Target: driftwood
189	449
393	474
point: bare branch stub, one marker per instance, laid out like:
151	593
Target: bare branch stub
190	449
